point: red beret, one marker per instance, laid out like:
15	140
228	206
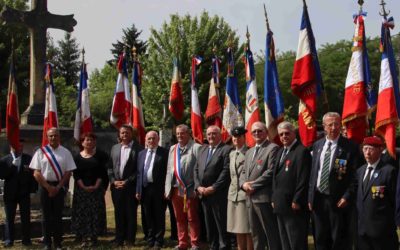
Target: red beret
373	141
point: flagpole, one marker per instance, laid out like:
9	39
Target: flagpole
266	19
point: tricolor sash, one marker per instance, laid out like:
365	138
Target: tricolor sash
178	175
53	161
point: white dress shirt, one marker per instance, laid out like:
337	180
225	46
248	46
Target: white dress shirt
125	152
321	159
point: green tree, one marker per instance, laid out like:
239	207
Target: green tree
67	62
102	85
66	102
183	37
130	39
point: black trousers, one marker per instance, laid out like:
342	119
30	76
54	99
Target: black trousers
125	214
154	210
215	220
293	230
331	224
385	242
10	208
52	216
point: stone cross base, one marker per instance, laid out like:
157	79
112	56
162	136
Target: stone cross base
33	115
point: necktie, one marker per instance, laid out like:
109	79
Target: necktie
256	152
146	168
324	181
367	178
285	151
210	153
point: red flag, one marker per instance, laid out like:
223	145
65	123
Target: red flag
50	112
214	110
387	111
176	105
138	120
122	103
195	114
12	112
306	81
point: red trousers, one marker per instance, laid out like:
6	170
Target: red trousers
183	220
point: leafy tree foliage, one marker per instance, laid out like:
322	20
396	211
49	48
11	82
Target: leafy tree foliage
131	40
183	37
66	102
67	62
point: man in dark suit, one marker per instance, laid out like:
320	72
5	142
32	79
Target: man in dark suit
332	186
122	170
376	195
289	189
18	185
212	180
152	170
257	182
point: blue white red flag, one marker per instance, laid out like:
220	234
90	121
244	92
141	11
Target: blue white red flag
83	118
359	98
252	113
50	111
214	109
176	104
121	109
273	101
137	116
195	114
232	116
12	112
388	106
307	81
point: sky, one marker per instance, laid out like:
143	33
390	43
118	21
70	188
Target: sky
100	22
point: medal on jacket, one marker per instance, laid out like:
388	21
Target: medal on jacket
287	163
340	166
378	191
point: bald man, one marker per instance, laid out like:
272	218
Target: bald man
152	171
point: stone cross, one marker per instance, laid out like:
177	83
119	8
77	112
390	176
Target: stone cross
37	20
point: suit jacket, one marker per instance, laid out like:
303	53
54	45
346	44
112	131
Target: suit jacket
259	171
290	179
130	170
376	213
341	180
159	169
236	165
215	173
188	162
18	183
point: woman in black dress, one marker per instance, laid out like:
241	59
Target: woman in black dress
88	206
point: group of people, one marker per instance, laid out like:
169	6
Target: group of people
265	195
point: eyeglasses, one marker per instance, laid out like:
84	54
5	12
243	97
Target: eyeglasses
257	131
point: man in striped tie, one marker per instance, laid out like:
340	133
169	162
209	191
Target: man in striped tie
331	193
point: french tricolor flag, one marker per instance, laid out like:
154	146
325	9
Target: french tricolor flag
50	111
138	120
214	110
387	113
356	103
195	114
232	116
252	113
12	112
307	81
122	103
83	118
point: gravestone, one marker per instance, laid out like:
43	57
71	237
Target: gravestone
37	20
